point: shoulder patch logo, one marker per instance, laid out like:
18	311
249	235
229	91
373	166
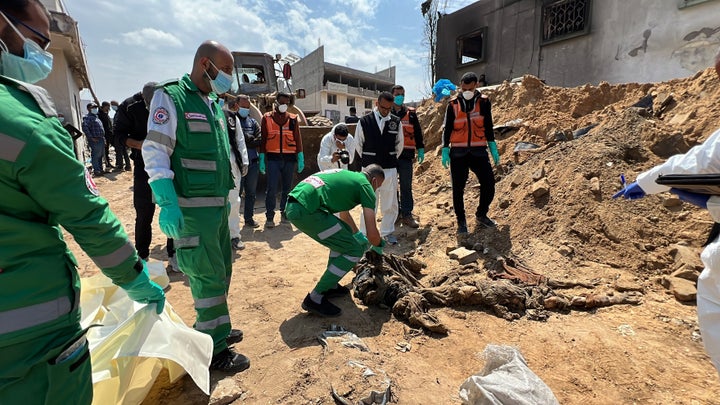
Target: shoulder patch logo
90	184
160	116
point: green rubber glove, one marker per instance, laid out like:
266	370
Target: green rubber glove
261	157
171	218
446	157
301	161
494	152
145	291
421	155
379	249
361	240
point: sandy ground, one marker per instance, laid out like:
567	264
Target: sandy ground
623	354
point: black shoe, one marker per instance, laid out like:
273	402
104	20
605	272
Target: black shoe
98	174
324	308
128	168
462	227
235	336
117	169
252	223
283	218
337	291
485	221
229	361
237	244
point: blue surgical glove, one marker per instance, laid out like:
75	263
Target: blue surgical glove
361	240
301	161
421	155
693	198
494	152
446	157
261	158
379	249
145	291
171	218
632	192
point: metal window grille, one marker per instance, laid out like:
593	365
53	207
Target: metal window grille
563	19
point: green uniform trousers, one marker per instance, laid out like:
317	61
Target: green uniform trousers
29	376
332	232
204	255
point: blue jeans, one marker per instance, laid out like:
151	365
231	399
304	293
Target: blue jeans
97	149
248	185
278	171
405	173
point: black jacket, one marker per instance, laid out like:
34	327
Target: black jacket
131	120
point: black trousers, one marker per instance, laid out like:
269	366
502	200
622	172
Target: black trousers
121	154
144	210
108	142
460	166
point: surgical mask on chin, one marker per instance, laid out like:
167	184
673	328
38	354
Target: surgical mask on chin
399	99
282	108
221	83
467	95
61	119
243	112
114	107
35	66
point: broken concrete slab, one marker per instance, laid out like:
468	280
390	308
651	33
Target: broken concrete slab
464	256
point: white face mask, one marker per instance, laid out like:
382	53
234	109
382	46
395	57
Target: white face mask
282	108
467	95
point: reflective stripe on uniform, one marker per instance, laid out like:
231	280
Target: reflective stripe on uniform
199	202
10	147
336	270
352	258
334	254
369	153
212	324
190	241
161	138
196	126
210	302
330	231
33	315
209	165
115	258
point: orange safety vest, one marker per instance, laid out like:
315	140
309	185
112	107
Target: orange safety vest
408	129
459	137
280	139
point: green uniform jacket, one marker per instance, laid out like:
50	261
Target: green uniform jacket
201	158
43	186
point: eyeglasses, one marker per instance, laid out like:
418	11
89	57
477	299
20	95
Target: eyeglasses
46	40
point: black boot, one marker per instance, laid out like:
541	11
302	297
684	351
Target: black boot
229	361
324	308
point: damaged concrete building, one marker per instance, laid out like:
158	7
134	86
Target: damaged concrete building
573	42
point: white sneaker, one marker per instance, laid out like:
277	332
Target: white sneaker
173	265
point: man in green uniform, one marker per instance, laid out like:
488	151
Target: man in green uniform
45	357
311	208
187	158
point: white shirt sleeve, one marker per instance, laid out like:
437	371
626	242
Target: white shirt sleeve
359	139
240	136
160	142
701	159
325	154
350	146
399	141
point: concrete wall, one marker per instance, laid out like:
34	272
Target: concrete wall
629	41
308	74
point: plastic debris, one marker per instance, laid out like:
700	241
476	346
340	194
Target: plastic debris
337	333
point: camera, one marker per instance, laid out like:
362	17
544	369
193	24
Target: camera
344	156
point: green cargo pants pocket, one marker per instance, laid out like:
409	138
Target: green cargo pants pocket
70	375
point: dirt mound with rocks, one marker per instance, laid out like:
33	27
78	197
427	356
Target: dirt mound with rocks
560	192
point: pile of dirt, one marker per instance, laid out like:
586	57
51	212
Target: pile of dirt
560	195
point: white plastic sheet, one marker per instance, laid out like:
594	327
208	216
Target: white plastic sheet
134	343
505	380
